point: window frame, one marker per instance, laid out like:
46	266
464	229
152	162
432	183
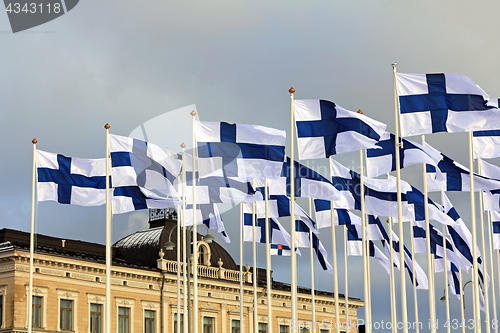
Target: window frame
239	325
101	319
123	316
149	320
125	303
40	306
258	327
212	324
174	321
63	312
67	295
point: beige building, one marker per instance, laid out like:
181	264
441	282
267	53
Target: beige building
69	287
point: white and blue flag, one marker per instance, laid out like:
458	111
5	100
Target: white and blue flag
131	198
486	144
341	216
209	216
383	160
492	197
444	102
70	180
302	231
495	220
325	129
242	151
140	163
308	183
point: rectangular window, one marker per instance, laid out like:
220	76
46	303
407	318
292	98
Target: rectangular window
283	329
123	320
149	321
235	326
304	330
95	318
326	331
36	318
66	315
262	327
1	309
175	322
208	325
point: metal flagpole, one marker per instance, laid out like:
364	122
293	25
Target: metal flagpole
475	277
195	234
334	260
414	277
268	262
313	296
368	270
178	248
363	241
462	300
108	236
446	290
32	241
346	278
185	260
404	311
430	272
292	217
493	292
485	265
392	279
254	249
242	324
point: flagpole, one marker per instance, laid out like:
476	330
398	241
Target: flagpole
108	236
430	273
462	301
414	277
292	216
242	325
195	233
446	290
254	249
485	265
475	277
185	260
404	311
334	259
179	187
392	279
363	241
493	291
32	241
313	296
268	261
369	271
346	278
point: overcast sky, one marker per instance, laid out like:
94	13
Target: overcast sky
126	62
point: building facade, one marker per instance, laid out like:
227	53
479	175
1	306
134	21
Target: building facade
69	287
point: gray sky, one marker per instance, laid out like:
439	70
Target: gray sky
126	62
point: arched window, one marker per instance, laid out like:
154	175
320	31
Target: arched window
204	254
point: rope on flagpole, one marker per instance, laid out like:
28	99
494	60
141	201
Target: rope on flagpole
485	265
404	311
462	301
446	283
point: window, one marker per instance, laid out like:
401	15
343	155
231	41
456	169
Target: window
36	319
325	331
262	327
1	310
283	329
208	325
181	323
235	326
95	318
123	320
149	321
304	330
66	315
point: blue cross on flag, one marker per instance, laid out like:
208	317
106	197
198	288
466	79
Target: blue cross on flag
444	102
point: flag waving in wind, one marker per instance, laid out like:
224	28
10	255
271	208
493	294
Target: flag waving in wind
325	129
444	102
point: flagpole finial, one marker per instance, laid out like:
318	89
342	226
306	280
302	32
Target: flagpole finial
34	141
193	113
360	112
183	145
291	90
387	220
107	126
394	64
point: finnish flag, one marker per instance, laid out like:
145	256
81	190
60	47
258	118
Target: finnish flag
486	144
308	183
131	198
242	151
302	231
140	163
444	102
454	279
492	197
325	129
495	220
208	215
70	180
280	250
383	160
380	194
341	216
